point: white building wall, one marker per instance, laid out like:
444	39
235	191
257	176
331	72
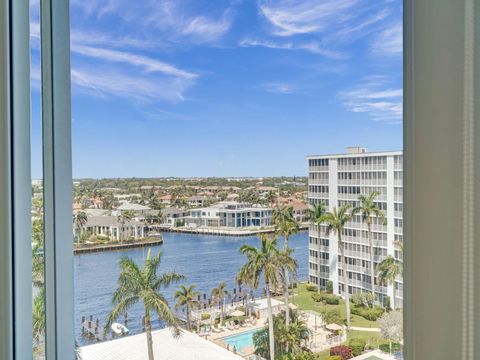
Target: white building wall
387	185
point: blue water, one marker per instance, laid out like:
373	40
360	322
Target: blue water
205	260
240	341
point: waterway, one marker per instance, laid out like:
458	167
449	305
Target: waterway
205	260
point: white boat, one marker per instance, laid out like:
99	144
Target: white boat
119	329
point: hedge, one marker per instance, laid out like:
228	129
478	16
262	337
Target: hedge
329	299
386	347
357	346
343	351
371	314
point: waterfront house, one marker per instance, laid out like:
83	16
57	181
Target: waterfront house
171	216
230	214
113	228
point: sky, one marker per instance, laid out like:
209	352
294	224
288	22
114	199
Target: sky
196	88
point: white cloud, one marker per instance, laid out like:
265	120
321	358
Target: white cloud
291	17
204	29
279	88
311	47
102	82
171	20
380	103
148	64
389	41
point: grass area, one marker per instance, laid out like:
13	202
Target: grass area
303	299
373	339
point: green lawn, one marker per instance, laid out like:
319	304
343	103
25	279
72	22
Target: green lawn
303	299
372	339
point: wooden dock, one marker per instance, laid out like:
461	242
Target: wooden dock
117	246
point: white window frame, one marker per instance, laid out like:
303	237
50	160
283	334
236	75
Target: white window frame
15	180
57	172
441	112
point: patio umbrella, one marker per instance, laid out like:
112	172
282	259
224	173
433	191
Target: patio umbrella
334	327
237	313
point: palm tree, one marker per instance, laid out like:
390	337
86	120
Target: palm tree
368	209
285	225
289	340
336	221
124	217
186	296
267	260
80	220
219	293
316	215
388	270
137	284
38	315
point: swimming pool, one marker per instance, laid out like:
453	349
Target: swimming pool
243	342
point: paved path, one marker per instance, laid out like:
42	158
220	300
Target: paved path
364	329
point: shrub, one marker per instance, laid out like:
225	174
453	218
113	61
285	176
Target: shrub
371	314
329	287
311	287
331	316
363	299
329	299
386	303
386	347
343	351
357	346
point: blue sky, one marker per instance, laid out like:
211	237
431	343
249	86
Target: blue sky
227	88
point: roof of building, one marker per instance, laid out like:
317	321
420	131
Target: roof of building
165	347
173	211
347	155
133	207
261	304
109	221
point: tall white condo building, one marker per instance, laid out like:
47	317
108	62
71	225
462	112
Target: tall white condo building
340	179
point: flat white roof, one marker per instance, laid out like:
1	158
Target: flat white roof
261	304
165	347
365	154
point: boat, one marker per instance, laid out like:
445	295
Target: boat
119	329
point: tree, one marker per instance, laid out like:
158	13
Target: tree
80	220
219	293
388	270
38	315
368	210
137	284
267	260
285	225
289	340
186	297
124	217
316	215
336	221
391	326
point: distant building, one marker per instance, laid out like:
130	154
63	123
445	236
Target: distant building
173	216
197	201
340	179
230	214
113	228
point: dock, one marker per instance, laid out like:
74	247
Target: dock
117	246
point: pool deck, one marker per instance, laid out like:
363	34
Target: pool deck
217	338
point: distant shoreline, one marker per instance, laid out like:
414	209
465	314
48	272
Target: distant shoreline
224	232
